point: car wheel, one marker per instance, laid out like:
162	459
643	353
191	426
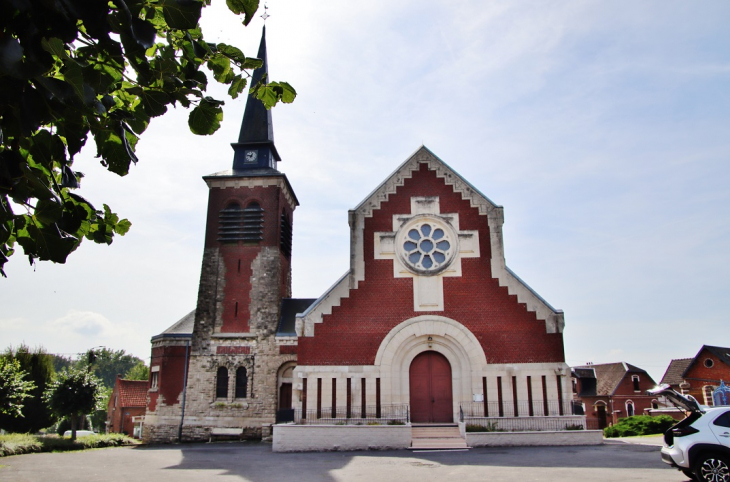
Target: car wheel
712	468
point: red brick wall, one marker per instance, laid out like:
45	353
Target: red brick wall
125	415
698	375
171	360
352	334
238	257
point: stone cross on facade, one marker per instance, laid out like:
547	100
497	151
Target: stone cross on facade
426	246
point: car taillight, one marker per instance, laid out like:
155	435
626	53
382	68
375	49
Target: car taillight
683	431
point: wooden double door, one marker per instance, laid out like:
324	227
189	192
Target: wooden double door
430	389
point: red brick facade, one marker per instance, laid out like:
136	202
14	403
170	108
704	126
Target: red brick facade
707	370
168	363
614	389
238	257
507	331
127	400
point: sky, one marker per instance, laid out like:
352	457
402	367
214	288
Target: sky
602	127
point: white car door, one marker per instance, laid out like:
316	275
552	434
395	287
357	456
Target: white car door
721	428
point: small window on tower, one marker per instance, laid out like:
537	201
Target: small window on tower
286	235
221	383
154	379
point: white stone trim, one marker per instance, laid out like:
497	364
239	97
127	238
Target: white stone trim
225	182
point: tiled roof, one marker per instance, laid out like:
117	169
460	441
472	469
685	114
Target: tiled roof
609	375
132	393
675	370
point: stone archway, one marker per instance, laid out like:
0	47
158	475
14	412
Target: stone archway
434	333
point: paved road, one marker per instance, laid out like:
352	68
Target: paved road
255	462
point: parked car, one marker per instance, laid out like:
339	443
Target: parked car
79	433
699	445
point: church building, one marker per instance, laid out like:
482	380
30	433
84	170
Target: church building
426	324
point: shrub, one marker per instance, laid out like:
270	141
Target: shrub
396	422
639	425
489	427
15	444
574	426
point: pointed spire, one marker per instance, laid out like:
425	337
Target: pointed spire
255	147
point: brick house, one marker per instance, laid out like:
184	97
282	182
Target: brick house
427	316
128	400
700	376
611	391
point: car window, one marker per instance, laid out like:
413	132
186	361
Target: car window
723	420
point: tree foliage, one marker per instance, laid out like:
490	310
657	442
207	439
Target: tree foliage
38	368
73	70
106	364
14	389
73	394
140	371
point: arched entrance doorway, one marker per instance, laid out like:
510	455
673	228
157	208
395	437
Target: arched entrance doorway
430	389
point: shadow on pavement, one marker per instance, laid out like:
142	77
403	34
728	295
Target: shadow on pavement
256	461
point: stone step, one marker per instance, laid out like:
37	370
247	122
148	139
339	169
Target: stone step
437	438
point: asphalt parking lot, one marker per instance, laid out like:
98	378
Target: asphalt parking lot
255	462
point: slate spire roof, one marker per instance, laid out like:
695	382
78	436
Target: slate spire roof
257	127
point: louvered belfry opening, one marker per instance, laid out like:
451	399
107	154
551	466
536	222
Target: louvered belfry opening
236	224
286	235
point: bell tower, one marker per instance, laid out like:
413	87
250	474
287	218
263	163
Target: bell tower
246	272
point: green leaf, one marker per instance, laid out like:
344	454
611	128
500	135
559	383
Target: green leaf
75	77
284	91
154	102
122	227
274	92
247	7
48	212
252	63
55	46
221	67
237	86
234	53
206	118
182	14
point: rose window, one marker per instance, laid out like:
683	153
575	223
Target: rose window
426	246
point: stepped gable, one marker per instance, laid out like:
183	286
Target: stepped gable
355	315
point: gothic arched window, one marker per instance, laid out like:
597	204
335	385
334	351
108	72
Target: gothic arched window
221	383
241	383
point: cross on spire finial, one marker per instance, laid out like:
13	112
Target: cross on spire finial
265	15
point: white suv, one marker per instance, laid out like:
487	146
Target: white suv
699	445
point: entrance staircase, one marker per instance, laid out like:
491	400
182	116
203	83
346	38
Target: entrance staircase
437	437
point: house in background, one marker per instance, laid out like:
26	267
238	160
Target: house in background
700	376
128	400
611	391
